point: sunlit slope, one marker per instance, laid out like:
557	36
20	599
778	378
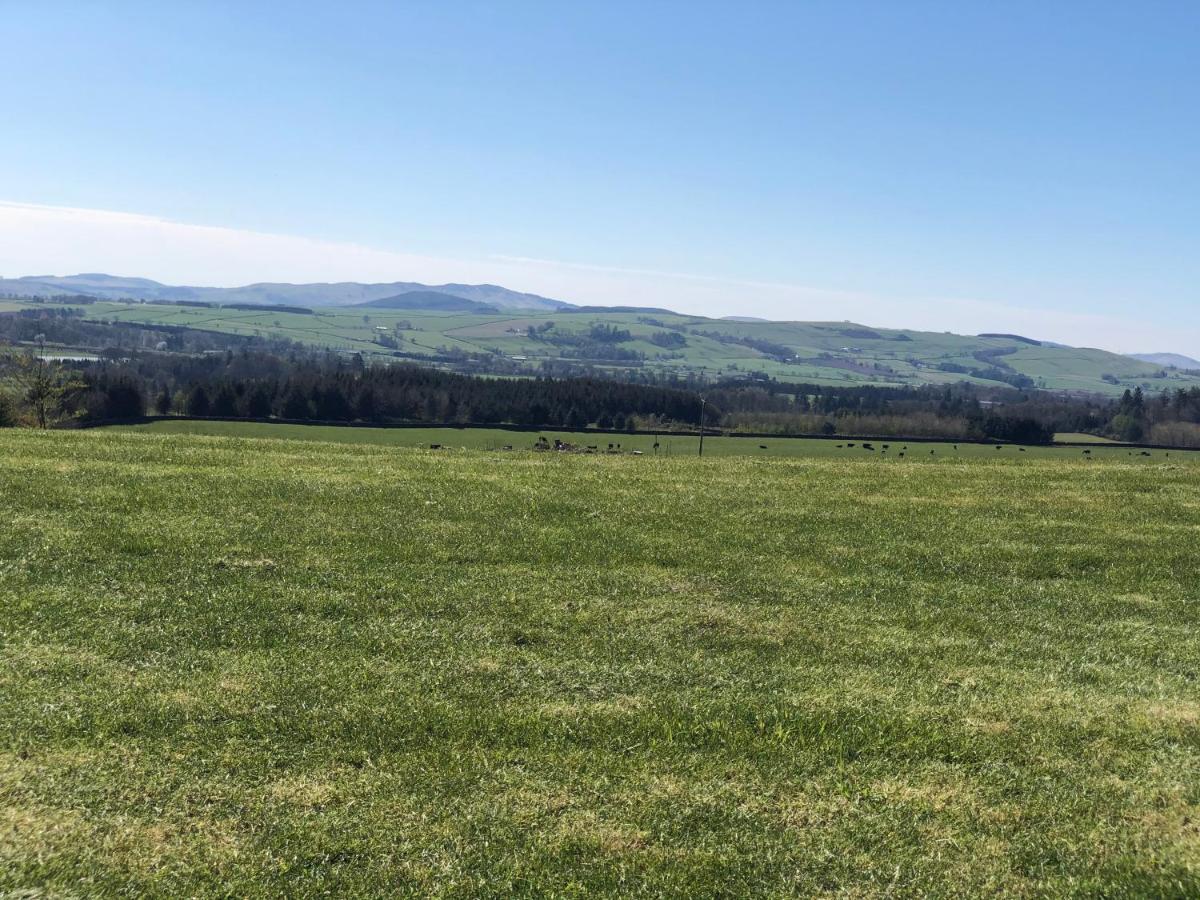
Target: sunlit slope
821	352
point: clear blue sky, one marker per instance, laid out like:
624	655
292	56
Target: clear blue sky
1039	156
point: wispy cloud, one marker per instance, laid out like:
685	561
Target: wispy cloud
37	239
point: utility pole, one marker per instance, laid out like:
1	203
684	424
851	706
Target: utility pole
702	424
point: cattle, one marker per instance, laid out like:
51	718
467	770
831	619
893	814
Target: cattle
902	454
762	446
435	446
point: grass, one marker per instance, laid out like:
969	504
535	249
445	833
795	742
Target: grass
1081	437
246	667
669	444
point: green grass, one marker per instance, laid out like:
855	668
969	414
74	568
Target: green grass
236	667
1079	437
670	445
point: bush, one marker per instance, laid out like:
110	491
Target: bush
1018	430
8	414
1127	428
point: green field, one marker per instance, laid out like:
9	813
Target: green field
831	353
1076	437
669	445
297	668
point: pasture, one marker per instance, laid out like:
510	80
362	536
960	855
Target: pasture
235	666
669	445
830	353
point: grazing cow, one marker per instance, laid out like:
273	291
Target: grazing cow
849	445
902	454
435	446
762	446
1022	449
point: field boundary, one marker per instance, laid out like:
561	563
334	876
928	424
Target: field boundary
708	432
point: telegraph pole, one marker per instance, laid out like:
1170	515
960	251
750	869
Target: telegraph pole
702	424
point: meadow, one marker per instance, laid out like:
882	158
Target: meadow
244	666
669	444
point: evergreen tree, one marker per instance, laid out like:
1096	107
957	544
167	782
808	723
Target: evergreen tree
197	402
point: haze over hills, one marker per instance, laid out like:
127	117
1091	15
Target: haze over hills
1177	360
349	293
429	300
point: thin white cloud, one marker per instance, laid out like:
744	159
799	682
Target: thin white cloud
43	240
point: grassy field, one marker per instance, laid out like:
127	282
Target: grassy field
235	667
1077	437
834	353
669	445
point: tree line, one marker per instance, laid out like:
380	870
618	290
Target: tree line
298	384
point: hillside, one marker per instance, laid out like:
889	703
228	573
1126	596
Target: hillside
110	287
278	668
1178	360
835	353
429	300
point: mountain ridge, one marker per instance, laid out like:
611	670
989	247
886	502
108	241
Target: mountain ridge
1175	360
344	293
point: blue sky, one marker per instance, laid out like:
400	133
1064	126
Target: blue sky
956	165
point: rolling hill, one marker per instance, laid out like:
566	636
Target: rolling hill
511	332
429	300
1178	360
402	326
111	287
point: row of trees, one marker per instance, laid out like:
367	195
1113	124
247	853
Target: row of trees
332	387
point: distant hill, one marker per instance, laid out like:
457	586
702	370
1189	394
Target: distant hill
346	293
1178	360
1012	337
511	331
430	300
